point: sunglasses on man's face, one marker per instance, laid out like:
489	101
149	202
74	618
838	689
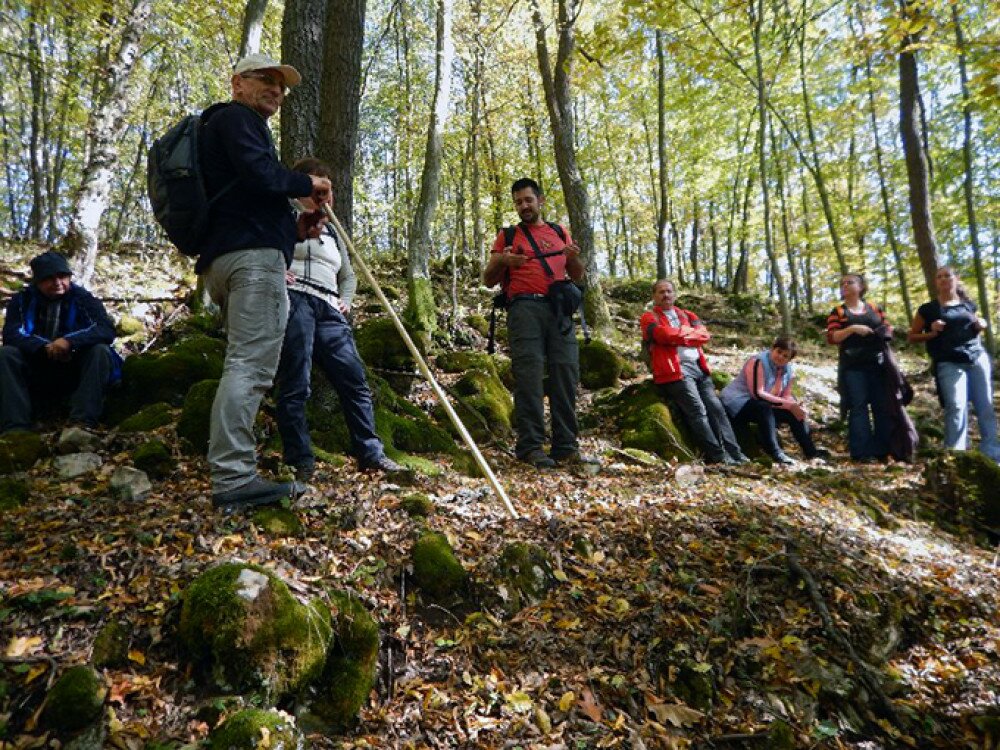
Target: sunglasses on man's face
268	80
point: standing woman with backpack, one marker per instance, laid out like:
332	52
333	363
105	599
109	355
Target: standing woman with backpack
950	328
858	328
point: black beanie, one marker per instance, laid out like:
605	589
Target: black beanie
48	264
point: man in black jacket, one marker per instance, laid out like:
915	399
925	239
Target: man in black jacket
56	341
247	248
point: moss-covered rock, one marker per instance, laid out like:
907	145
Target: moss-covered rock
13	493
646	422
721	378
417	504
967	486
148	418
349	674
600	365
633	290
195	420
129	328
780	736
505	369
436	570
256	729
381	347
466	464
154	458
277	521
421	311
75	700
485	406
241	625
463	361
525	571
111	645
19	450
478	323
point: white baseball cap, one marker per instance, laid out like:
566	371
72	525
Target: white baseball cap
257	61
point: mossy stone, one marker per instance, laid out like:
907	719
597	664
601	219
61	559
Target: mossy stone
154	458
148	418
780	736
478	323
436	570
129	327
243	731
75	700
634	290
351	663
505	370
966	483
241	625
465	464
381	347
195	420
485	406
13	493
111	646
720	379
416	463
278	521
646	422
463	361
417	504
600	365
19	450
527	571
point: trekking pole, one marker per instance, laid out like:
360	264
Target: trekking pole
421	364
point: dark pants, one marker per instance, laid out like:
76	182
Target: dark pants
864	389
24	378
767	419
544	362
317	331
705	415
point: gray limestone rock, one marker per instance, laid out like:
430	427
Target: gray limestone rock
129	484
78	440
75	464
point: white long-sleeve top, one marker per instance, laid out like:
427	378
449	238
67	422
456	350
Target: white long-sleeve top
323	269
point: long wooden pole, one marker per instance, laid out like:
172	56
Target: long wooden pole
421	364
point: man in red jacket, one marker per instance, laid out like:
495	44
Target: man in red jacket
674	338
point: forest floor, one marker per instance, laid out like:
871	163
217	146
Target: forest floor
826	605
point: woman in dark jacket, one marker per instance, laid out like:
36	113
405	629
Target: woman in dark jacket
857	328
950	328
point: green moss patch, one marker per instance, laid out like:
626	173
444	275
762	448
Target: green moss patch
154	458
255	729
525	571
75	700
417	504
965	485
478	323
463	361
149	418
277	522
646	422
436	570
381	347
484	405
600	365
13	493
19	450
241	625
111	646
195	421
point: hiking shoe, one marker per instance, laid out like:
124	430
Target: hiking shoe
783	458
382	463
738	460
258	491
575	458
304	472
821	453
539	459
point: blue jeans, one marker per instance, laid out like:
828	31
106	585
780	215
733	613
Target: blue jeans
960	383
317	331
864	389
768	418
705	415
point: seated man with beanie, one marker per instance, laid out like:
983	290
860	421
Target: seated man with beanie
56	342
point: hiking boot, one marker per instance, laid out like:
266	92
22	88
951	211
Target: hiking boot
575	458
821	453
304	472
382	463
738	460
258	491
783	458
538	459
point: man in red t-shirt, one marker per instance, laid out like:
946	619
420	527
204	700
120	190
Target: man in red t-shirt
543	353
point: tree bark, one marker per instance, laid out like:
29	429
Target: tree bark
916	164
779	174
253	27
103	133
36	78
475	92
559	101
661	148
421	311
302	34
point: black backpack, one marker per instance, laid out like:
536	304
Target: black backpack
176	188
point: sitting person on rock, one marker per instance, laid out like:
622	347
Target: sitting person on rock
674	339
762	393
321	284
57	340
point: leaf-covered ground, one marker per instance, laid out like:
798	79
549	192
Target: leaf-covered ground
757	607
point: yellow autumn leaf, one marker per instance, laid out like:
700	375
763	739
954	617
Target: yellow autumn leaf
35	672
567	701
560	576
22	645
137	656
520	702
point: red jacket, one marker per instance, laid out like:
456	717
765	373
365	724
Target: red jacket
663	339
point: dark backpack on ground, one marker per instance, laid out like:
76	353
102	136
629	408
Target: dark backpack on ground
176	186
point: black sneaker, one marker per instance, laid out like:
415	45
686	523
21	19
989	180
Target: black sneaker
821	453
258	491
783	458
738	460
304	472
539	459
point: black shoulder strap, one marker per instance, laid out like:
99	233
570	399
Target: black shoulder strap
558	229
508	236
538	252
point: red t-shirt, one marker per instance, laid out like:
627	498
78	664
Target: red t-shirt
531	277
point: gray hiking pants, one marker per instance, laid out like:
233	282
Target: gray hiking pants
249	286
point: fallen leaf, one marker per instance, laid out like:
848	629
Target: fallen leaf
567	701
590	707
676	713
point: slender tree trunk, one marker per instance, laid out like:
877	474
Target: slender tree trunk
756	20
559	101
253	27
695	228
779	175
341	100
742	275
807	231
302	45
6	137
421	310
36	78
916	164
713	233
475	92
103	134
970	206
661	143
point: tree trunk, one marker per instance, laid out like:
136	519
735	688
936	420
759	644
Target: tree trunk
695	227
253	27
661	144
713	233
779	174
970	206
475	92
559	101
36	78
421	312
807	231
756	20
916	165
341	100
742	275
103	134
302	34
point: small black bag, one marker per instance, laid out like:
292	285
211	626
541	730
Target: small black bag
565	298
